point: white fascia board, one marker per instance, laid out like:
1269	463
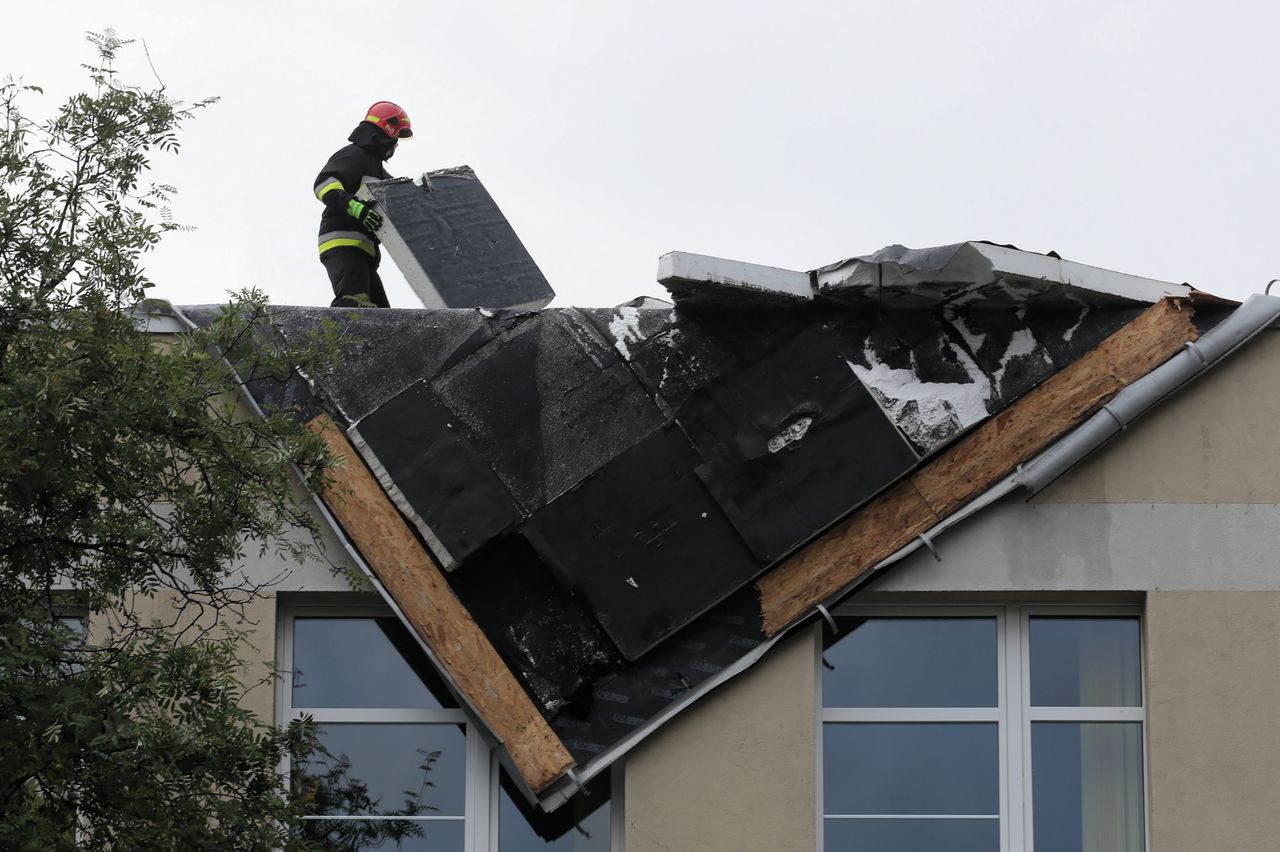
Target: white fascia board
686	267
1027	264
157	324
156	316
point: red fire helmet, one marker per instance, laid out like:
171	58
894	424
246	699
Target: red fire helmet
391	119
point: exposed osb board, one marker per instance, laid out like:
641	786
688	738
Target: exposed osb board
400	563
842	555
963	471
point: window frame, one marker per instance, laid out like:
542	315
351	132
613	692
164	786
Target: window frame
475	796
1014	720
482	797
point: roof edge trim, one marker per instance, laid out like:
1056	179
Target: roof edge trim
694	278
1256	314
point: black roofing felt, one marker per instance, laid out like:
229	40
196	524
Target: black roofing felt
792	440
604	484
459	500
549	403
644	542
621	701
548	636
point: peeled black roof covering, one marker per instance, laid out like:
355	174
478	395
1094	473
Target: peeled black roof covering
601	485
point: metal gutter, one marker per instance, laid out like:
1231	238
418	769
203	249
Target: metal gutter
1257	313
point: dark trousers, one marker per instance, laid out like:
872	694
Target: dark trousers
353	273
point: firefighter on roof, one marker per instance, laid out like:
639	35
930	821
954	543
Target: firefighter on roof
348	245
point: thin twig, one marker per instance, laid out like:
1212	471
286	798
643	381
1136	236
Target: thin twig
153	67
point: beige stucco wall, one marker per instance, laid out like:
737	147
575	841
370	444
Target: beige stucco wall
257	620
1213	730
736	772
329	571
1215	441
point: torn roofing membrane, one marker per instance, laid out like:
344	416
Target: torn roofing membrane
602	486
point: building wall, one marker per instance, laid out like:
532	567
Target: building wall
1213	711
1212	443
734	773
328	570
257	620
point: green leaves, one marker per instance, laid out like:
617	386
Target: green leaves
133	481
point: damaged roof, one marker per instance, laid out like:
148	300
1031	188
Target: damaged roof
624	506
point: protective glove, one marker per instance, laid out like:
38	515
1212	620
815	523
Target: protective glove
363	212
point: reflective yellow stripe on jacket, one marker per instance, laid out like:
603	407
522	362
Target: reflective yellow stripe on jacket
340	239
327	185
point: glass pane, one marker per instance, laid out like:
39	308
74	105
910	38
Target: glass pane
387	770
79	627
912	662
879	768
515	834
358	662
353	835
75	623
1086	786
1085	662
911	835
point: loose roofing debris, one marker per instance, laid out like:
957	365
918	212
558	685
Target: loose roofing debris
453	244
593	516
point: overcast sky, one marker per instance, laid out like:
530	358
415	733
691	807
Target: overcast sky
1137	136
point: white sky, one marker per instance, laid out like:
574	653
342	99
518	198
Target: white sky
1133	135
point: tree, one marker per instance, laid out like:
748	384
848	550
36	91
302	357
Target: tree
128	476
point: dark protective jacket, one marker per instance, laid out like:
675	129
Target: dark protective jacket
338	182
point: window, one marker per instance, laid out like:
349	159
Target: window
984	730
399	767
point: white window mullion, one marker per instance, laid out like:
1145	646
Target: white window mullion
1086	714
913	816
1019	701
1016	732
478	801
911	714
381	716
